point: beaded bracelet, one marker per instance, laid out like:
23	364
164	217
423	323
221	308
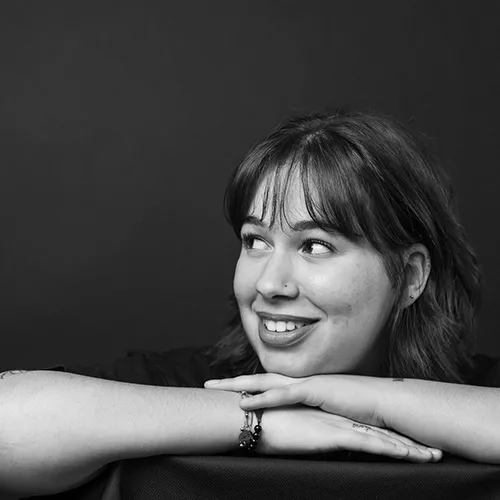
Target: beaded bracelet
249	439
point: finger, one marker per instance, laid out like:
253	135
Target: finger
416	451
378	445
411	442
283	396
399	438
252	383
369	443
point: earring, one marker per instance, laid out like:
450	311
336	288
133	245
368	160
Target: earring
412	297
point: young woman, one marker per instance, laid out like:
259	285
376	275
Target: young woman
355	296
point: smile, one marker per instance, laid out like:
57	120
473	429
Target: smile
283	334
282	326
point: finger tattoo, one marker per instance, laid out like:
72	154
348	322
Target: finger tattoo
11	372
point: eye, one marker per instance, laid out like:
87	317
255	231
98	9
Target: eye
310	242
248	241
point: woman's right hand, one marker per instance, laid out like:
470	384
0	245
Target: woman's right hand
302	430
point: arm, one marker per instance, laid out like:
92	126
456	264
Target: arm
461	419
57	430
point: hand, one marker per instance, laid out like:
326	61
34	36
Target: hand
301	430
352	396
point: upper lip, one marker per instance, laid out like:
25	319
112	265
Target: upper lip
284	317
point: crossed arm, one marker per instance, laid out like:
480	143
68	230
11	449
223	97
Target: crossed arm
461	419
59	430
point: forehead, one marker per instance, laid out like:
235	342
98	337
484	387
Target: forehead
280	200
290	199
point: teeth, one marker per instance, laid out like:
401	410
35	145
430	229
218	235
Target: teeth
282	326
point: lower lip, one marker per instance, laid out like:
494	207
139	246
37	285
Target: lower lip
286	338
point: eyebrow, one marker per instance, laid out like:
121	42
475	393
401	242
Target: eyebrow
303	225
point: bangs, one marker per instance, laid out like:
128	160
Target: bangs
330	174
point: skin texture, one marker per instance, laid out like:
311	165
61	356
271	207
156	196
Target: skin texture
346	287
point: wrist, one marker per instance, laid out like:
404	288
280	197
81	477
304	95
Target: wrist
251	429
382	392
230	420
388	392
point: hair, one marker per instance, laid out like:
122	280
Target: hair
366	176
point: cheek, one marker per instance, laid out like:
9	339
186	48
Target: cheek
337	293
242	282
349	290
371	297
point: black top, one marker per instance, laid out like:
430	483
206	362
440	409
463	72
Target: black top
175	477
189	367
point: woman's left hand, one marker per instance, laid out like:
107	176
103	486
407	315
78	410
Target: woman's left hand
352	396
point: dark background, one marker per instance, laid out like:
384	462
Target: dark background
120	124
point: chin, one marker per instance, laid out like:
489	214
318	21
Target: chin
288	367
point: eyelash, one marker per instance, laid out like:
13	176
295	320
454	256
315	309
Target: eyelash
247	238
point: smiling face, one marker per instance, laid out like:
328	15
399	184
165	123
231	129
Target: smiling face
340	283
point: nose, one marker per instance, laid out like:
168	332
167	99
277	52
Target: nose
276	278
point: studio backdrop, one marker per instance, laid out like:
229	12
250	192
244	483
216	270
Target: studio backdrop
121	123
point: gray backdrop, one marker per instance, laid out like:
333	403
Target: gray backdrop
120	124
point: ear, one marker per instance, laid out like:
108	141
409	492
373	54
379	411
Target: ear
417	270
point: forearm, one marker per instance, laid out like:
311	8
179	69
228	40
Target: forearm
58	429
460	419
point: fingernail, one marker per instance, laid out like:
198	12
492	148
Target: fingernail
212	382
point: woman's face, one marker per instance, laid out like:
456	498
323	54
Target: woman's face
340	284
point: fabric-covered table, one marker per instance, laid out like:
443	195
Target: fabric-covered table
360	477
